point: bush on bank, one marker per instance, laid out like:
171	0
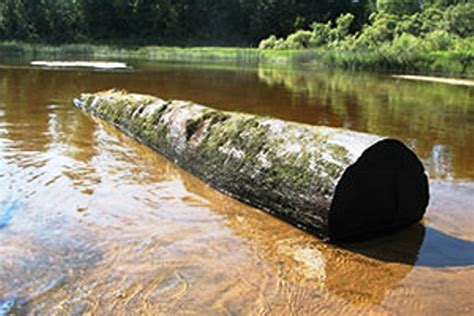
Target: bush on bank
432	40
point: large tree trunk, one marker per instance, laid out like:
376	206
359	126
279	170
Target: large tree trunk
337	184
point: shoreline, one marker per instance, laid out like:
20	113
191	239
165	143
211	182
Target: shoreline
348	60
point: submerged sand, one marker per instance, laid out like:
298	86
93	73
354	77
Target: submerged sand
453	81
82	64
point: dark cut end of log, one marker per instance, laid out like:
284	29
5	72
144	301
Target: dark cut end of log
384	190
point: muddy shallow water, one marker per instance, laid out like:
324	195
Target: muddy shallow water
93	222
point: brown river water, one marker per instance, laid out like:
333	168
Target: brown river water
94	223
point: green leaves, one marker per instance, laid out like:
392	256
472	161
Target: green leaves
460	19
182	22
430	40
341	24
398	7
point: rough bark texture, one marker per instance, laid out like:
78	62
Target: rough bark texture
288	169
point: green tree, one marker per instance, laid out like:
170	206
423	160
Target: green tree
343	24
298	40
380	30
321	34
398	7
460	19
442	3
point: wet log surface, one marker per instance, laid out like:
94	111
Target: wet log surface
334	183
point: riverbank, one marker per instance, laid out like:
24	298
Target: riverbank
154	53
435	63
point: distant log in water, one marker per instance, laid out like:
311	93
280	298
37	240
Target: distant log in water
337	184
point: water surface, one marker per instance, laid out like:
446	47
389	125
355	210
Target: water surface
93	222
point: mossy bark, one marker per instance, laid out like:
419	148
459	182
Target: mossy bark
288	169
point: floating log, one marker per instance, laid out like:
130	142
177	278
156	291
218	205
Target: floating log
337	184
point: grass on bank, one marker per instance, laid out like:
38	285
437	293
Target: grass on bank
441	62
158	53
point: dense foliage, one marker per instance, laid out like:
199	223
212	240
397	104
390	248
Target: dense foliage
437	37
416	35
237	22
